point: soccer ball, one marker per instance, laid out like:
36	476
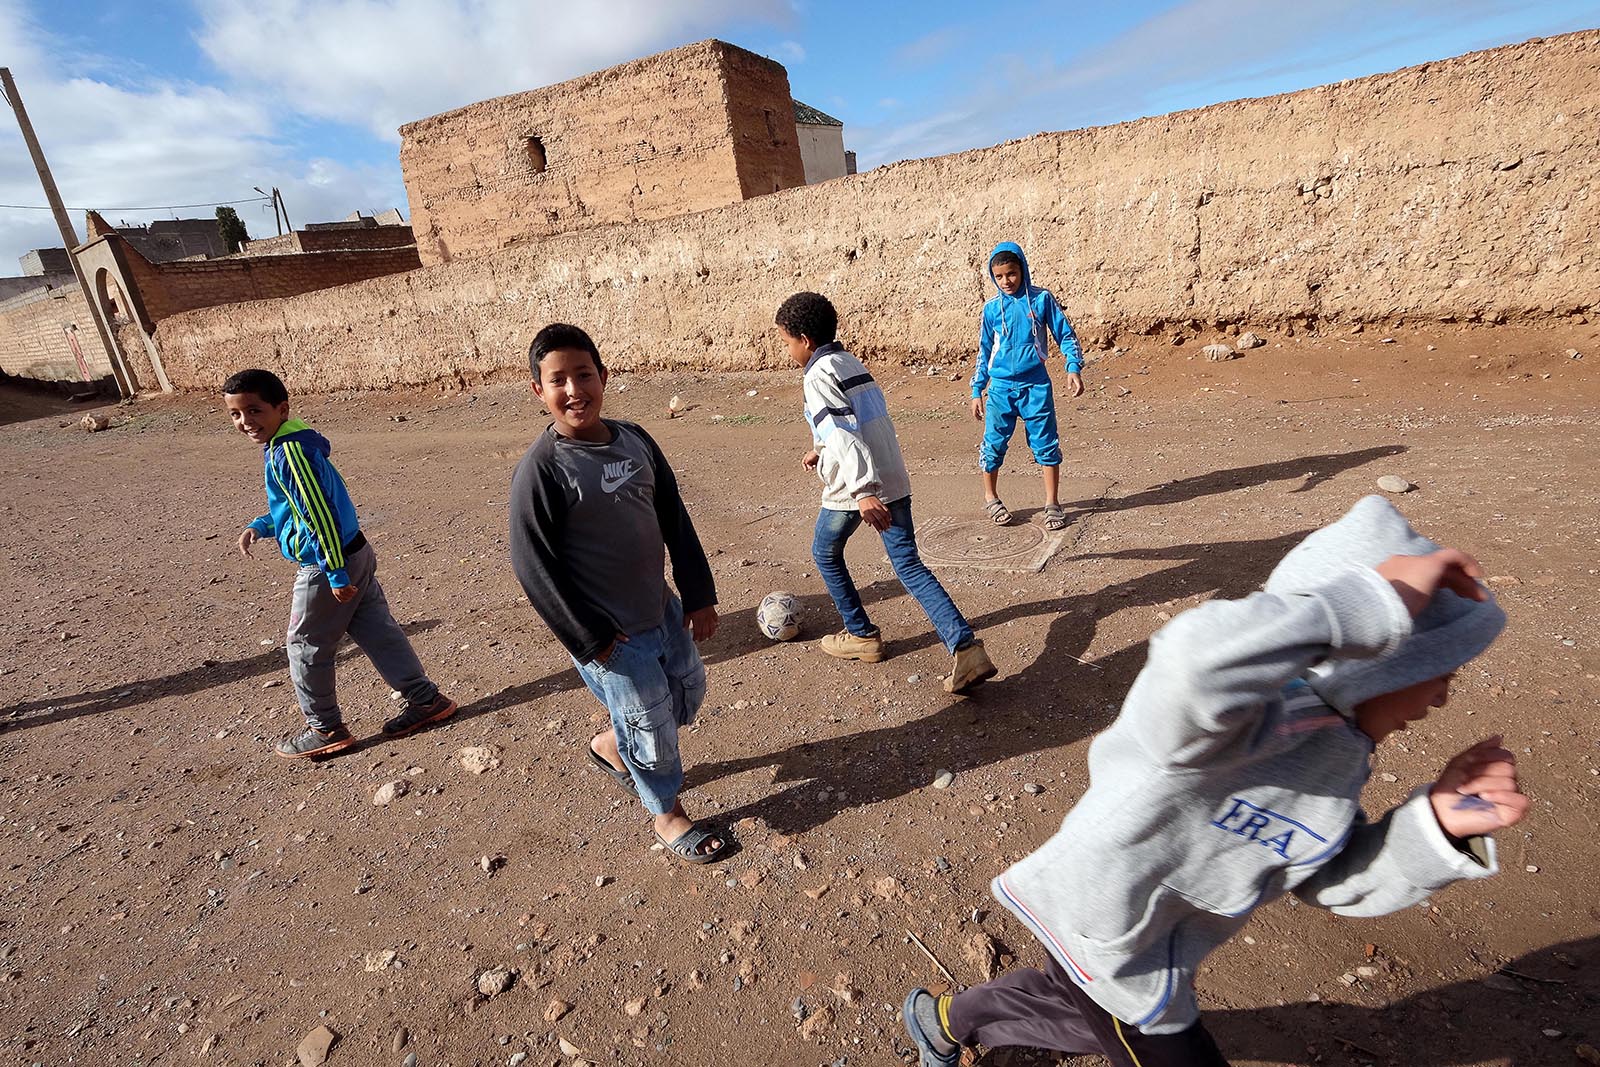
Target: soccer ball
779	616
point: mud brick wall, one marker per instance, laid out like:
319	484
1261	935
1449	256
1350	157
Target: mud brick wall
33	341
694	128
170	288
1467	189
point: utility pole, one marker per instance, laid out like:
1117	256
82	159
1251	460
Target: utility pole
285	207
274	197
125	383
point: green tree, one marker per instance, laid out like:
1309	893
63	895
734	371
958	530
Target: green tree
233	230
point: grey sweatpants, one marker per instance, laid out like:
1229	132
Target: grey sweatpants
318	622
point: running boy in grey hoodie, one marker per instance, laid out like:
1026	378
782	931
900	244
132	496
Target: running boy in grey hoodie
1232	776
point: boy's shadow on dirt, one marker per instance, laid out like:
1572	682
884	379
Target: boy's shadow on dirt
1553	988
207	675
1055	699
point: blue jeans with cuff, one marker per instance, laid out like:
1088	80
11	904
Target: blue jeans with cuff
652	684
900	540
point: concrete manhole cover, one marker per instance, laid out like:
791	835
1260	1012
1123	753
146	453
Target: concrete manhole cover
952	542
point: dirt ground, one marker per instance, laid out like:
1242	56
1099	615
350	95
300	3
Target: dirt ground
174	893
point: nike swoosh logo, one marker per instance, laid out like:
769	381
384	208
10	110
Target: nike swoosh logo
611	485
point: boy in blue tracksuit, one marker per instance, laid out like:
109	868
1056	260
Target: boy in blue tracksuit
1013	345
336	591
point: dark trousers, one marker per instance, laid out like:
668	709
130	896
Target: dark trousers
1047	1009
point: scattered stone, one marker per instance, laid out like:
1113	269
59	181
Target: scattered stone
889	888
389	792
313	1048
1218	353
1349	979
480	758
1553	1033
1502	983
913	678
516	1059
1368	971
1532	868
554	1010
801	862
567	1047
634	1007
1033	788
984	955
799	1010
676	405
1248	340
401	1038
1386	776
1573	353
941	864
495	980
817	1023
94	423
208	1044
817	893
751	392
1123	390
378	961
751	878
1386	340
942	779
601	881
1393	483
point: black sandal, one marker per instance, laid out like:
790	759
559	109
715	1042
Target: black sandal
687	844
623	778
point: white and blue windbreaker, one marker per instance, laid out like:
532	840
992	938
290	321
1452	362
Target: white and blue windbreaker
857	451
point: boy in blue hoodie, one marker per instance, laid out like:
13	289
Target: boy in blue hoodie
1233	776
336	591
1013	345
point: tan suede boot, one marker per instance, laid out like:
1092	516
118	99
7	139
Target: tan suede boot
846	645
971	668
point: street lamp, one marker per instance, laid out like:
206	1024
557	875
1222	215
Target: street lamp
274	197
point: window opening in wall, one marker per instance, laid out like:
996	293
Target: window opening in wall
536	155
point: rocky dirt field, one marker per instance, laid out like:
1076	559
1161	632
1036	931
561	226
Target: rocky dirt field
173	893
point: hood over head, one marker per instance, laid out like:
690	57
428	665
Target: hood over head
1451	630
1015	249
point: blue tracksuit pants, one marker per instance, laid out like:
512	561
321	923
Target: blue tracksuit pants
1035	402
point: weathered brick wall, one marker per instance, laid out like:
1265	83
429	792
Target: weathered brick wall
1460	190
686	130
33	341
170	288
331	240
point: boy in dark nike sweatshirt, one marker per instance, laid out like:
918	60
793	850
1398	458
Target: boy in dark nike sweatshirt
1233	776
336	591
595	512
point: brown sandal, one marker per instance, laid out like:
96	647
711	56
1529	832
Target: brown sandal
997	513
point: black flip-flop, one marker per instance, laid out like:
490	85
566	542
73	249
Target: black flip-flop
686	846
623	778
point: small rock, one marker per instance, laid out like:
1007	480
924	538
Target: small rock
401	1038
676	404
480	758
1368	971
1573	353
313	1048
1386	340
377	961
634	1007
1123	390
94	423
388	792
1349	979
567	1047
751	392
889	888
1553	1033
751	878
941	864
817	1023
1033	787
1218	353
1249	340
516	1059
495	980
943	779
1532	868
913	678
1393	483
554	1010
601	881
1386	776
1502	983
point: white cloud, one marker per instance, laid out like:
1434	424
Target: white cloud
133	143
792	52
382	63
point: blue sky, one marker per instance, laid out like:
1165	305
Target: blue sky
159	102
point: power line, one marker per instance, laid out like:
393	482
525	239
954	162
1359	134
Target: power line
158	207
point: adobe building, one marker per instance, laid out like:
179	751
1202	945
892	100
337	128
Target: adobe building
698	127
821	144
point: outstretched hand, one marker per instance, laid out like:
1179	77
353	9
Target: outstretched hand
1478	793
1418	578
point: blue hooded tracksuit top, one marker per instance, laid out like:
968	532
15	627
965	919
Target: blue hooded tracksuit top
308	508
1014	339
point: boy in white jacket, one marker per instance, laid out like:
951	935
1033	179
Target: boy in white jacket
1233	776
857	456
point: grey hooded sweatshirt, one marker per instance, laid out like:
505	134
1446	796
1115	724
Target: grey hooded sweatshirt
1234	773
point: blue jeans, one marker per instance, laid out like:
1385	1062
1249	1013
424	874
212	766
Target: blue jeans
652	684
900	539
1035	402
